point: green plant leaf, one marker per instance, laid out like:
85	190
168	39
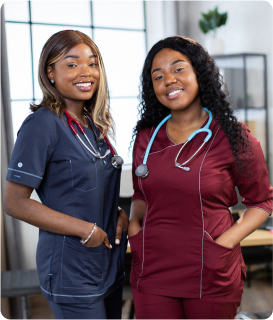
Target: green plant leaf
224	19
204	17
204	26
212	20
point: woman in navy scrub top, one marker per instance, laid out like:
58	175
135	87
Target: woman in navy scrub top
186	256
76	188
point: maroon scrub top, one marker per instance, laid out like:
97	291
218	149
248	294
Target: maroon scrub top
174	254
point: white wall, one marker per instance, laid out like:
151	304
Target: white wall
161	20
249	28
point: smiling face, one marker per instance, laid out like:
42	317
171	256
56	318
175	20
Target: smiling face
76	74
174	80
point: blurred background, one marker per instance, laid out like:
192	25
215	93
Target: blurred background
124	32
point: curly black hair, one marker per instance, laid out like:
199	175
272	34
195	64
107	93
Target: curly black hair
213	95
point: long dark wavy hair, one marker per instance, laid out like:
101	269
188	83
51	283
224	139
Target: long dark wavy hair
212	90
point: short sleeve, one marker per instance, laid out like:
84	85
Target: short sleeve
32	150
254	186
137	160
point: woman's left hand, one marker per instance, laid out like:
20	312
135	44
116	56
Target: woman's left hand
249	221
122	225
224	241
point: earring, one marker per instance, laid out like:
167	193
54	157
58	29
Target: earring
52	81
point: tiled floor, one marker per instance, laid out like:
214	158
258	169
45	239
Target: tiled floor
256	302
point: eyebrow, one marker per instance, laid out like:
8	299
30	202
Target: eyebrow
174	62
77	57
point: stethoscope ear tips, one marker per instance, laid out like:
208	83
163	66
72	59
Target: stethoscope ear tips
117	161
142	171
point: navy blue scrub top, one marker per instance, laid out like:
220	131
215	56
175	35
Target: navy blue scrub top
48	156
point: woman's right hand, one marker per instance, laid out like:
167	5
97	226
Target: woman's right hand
98	237
134	228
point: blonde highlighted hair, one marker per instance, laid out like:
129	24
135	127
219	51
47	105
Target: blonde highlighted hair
54	49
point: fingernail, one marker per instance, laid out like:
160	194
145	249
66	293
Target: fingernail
117	241
110	245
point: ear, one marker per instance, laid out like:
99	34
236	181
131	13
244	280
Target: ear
50	73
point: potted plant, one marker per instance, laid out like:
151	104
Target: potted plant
211	21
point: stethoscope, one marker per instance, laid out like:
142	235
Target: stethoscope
116	160
143	171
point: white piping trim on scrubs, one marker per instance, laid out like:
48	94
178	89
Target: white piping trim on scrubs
175	145
140	181
270	213
202	210
208	234
77	296
30	174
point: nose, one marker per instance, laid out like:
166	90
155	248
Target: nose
85	71
170	79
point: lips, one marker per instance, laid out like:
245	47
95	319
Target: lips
174	92
84	85
171	90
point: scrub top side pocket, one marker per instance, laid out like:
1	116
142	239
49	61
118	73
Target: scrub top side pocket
221	267
84	174
136	244
82	267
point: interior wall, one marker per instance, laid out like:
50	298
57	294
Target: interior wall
161	20
249	29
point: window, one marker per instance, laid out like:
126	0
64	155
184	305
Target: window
117	27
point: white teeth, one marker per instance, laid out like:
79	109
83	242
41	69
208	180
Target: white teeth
174	92
83	84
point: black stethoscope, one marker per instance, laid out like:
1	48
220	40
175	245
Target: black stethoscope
116	160
143	171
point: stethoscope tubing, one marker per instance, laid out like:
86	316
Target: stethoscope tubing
116	160
143	171
153	137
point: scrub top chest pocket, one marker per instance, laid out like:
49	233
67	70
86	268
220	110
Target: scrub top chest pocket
84	174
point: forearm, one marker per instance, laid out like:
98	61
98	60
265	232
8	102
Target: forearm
250	220
20	206
137	213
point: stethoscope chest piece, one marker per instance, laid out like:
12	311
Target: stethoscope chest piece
142	171
117	161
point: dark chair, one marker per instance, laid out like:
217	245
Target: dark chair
20	283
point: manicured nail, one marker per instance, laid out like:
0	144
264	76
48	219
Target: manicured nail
110	245
117	241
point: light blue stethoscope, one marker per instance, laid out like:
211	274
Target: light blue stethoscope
143	171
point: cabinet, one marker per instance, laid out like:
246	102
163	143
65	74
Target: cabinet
246	80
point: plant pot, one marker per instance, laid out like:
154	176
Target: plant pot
214	46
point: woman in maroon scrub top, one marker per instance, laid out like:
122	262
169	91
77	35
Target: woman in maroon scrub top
187	261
